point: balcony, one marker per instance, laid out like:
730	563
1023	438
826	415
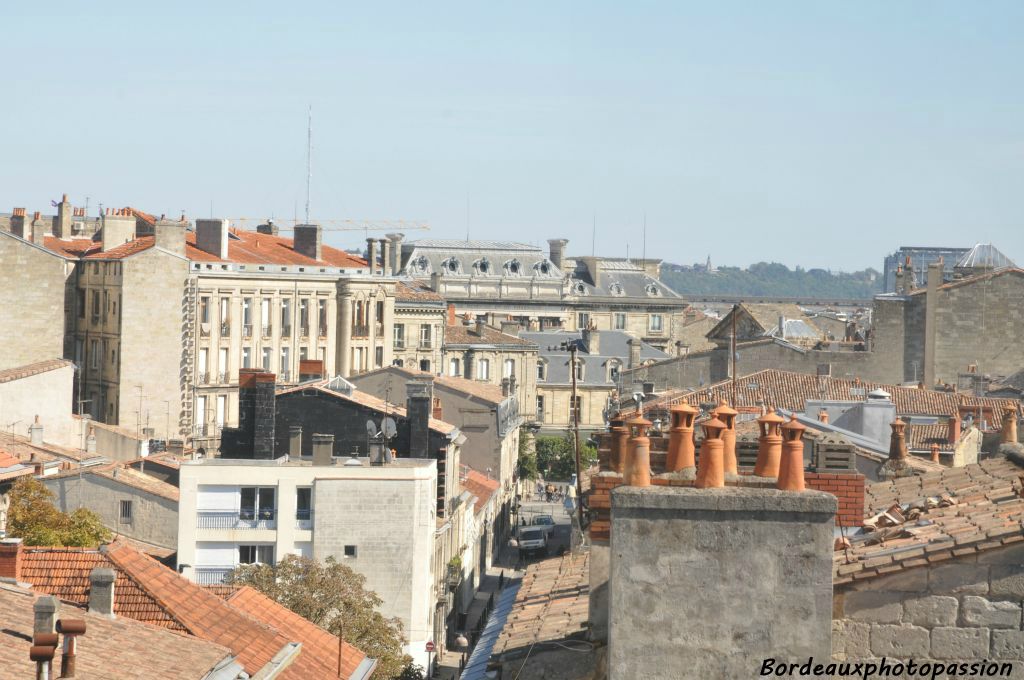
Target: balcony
362	331
286	331
201	430
223	378
268	331
247	330
304	519
204	330
425	343
225	328
304	331
211	576
231	519
203	378
399	343
284	376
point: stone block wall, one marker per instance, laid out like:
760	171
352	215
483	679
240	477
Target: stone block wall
33	298
965	609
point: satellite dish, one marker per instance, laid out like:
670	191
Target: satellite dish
371	428
389	428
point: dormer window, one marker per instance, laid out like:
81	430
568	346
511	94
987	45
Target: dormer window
580	288
614	369
616	289
652	290
542	369
451	265
543	268
513	267
482	266
418	266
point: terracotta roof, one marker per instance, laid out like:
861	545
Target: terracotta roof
122	474
244	247
367	400
23	449
480	485
19	372
111	649
552	605
467	335
316	642
64	573
150	592
941	515
923	436
413	291
12	468
788	390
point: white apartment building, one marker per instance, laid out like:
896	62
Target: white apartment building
379	520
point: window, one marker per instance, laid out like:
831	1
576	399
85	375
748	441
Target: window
265	316
247	311
425	336
453	368
256	502
484	372
575	406
222	364
204	309
542	369
125	514
509	369
303	353
222	406
94	353
540	409
80	302
580	365
303	502
246	357
225	309
256	554
266	359
201	415
286	317
425	365
286	362
95	304
378	357
656	323
304	317
399	335
614	367
350	551
582	320
79	352
322	318
620	321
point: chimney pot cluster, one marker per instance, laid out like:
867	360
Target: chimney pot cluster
727	415
711	471
637	469
681	449
18	212
791	466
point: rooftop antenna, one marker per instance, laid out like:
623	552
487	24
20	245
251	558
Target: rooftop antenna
309	156
467	216
643	253
593	237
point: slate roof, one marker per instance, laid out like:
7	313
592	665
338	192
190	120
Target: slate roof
147	591
462	259
111	649
973	509
478	484
613	346
788	390
244	247
552	605
365	399
799	325
615	278
19	372
462	334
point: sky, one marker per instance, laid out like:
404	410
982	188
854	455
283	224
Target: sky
820	134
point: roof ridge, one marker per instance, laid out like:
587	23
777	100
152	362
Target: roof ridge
118	545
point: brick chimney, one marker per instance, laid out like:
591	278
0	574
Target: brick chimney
371	255
117	227
308	241
710	468
169	235
212	237
62	220
769	445
254	436
452	318
323	449
11	554
791	466
18	222
680	438
101	591
438	410
419	403
556	250
953	427
637	470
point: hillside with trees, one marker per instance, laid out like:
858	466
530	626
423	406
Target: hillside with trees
772	278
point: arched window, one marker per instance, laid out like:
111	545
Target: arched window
451	266
513	267
509	368
652	290
616	289
482	266
454	367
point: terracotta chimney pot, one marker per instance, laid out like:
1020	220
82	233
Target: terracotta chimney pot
823	416
727	415
935	453
897	440
638	467
620	442
769	445
680	438
791	467
1009	433
711	471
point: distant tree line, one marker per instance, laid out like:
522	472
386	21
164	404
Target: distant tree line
772	278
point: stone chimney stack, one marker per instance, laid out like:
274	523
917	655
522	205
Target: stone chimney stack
710	468
953	425
45	610
591	339
308	241
637	469
62	220
90	441
910	282
371	255
781	333
681	452
170	236
769	445
118	227
419	402
212	237
385	257
900	277
323	449
35	432
18	222
396	252
40	229
556	251
791	467
295	441
101	591
931	301
634	353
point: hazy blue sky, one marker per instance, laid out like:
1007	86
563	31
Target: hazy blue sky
816	133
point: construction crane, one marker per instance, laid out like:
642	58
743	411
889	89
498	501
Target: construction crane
336	225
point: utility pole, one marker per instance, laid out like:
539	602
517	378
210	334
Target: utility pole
573	349
309	156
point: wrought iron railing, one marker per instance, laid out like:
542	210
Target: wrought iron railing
231	519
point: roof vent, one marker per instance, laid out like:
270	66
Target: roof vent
879	395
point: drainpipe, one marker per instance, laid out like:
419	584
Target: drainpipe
70	629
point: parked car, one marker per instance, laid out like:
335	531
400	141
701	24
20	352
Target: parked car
533	540
546	521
